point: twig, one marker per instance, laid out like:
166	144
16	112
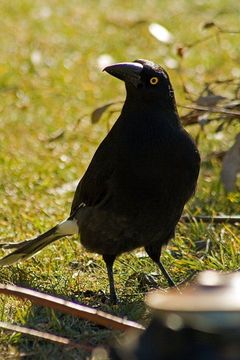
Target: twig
68	307
232	219
44	335
211	110
219	32
199	41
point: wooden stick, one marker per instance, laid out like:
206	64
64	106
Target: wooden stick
44	335
68	307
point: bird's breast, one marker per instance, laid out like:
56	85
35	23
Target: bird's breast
156	161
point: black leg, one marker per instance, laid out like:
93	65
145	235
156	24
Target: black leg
166	274
154	252
109	260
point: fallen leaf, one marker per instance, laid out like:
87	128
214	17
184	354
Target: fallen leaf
210	99
208	25
231	165
160	33
56	135
147	280
36	57
180	51
98	113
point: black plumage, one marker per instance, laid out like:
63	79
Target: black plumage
142	174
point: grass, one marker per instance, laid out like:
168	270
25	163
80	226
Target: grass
49	79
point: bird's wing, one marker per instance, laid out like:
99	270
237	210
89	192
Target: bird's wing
94	185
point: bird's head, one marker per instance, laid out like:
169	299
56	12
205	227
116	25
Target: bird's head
144	80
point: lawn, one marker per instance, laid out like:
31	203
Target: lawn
50	82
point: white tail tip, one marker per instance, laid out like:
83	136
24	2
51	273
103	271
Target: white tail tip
68	227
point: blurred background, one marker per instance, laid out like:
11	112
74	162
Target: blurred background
52	54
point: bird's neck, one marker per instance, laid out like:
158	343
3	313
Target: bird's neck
151	112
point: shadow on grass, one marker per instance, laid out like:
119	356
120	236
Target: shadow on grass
76	329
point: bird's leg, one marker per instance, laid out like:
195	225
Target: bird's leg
154	252
166	274
109	260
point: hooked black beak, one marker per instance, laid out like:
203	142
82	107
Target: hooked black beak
126	71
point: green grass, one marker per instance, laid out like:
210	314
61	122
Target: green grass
49	81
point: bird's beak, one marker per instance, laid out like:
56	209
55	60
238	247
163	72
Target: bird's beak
126	71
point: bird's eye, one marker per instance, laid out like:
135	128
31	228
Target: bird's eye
154	80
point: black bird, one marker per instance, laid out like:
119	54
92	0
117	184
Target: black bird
142	174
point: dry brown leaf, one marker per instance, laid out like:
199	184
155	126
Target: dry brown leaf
231	165
98	113
208	25
209	99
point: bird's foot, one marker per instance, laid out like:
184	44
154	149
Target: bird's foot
113	299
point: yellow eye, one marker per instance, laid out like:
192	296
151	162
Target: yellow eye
154	80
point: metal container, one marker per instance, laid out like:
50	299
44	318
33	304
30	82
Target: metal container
200	323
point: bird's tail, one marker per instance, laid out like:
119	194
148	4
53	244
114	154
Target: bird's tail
28	248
